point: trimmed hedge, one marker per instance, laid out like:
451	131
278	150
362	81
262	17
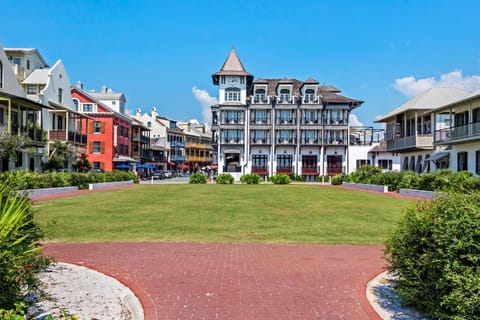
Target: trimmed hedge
198	178
443	180
24	180
224	178
251	178
435	251
280	179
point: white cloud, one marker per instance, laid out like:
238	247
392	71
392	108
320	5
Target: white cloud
206	101
412	87
353	120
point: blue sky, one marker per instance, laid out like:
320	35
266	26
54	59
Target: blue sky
160	53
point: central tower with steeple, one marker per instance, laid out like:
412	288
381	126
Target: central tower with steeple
229	117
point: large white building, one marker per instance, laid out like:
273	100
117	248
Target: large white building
271	126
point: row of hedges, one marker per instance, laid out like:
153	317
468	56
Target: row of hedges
251	178
23	180
443	180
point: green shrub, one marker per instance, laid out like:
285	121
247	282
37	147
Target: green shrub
197	178
338	179
251	178
435	251
364	174
224	178
297	177
324	179
20	257
280	179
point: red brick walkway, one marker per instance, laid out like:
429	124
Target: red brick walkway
237	281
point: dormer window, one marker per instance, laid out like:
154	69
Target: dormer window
309	95
260	95
284	95
232	94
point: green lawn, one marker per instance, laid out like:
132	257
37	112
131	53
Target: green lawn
222	213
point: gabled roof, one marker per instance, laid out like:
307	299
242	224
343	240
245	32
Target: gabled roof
24	51
38	76
471	96
428	100
93	99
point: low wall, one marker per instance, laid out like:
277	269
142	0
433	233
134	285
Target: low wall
103	185
417	193
361	186
35	193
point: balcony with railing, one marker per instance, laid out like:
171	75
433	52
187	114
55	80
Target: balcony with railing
310	99
285	170
141	154
70	136
177	158
261	170
177	144
457	134
311	141
335	121
261	121
232	169
310	170
189	158
260	140
140	138
335	141
231	141
285	99
286	140
414	142
285	121
261	99
197	145
233	121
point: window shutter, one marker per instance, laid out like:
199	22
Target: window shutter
90	127
102	147
103	127
90	147
102	165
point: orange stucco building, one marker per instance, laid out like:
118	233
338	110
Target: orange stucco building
109	133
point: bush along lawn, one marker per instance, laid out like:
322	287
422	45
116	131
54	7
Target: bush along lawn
443	180
24	180
20	252
435	251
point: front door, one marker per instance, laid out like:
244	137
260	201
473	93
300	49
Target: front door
334	165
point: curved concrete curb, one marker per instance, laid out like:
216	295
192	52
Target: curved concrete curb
384	300
88	294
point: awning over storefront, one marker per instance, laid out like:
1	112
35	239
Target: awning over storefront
438	156
124	159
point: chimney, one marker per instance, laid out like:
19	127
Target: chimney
138	115
79	85
154	113
104	89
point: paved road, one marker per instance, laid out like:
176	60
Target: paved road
237	281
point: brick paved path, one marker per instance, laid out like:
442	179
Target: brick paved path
237	281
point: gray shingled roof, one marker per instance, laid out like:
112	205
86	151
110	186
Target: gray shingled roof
38	76
233	66
428	100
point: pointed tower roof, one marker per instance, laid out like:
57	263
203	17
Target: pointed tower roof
232	67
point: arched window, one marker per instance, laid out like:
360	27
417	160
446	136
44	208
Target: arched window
1	74
75	102
149	124
260	95
232	94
